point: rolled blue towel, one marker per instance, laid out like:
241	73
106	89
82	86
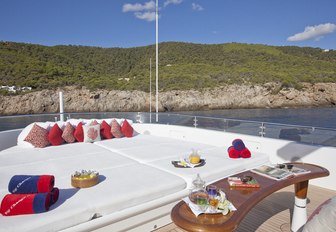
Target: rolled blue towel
238	144
24	184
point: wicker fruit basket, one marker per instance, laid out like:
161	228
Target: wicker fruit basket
84	179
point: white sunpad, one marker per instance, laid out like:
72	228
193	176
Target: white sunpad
217	151
64	166
145	148
124	181
217	166
256	159
23	155
127	188
120	188
139	140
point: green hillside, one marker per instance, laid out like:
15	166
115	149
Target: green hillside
182	65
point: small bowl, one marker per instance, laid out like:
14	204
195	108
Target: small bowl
281	166
289	166
245	179
84	179
84	183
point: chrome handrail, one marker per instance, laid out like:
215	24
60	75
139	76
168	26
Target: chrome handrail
298	133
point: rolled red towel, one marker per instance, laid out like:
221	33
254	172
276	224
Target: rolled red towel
233	153
245	153
17	204
25	184
238	144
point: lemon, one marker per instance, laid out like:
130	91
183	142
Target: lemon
194	159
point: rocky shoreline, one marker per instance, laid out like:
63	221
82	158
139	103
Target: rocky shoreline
269	95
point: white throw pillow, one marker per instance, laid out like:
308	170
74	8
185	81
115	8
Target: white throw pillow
87	121
91	133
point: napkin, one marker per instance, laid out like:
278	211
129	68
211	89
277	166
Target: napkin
197	211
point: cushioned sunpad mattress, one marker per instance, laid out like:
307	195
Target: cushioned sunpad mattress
123	183
218	165
147	148
133	171
20	155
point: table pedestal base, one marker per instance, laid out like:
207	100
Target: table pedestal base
299	214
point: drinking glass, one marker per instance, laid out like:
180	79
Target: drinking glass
202	202
213	198
212	190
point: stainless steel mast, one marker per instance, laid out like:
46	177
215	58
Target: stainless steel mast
157	59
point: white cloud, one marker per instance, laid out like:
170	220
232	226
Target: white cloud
175	2
144	11
148	16
196	7
147	10
148	6
314	32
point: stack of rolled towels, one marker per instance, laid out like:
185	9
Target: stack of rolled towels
238	150
29	194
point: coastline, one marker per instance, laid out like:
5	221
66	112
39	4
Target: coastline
268	95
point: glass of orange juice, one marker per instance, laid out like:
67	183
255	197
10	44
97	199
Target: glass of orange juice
213	198
194	157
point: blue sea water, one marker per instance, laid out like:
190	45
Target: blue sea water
309	123
315	117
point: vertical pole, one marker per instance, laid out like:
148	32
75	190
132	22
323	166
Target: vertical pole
157	59
150	90
61	105
299	217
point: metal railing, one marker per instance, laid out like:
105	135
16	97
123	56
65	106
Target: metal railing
298	133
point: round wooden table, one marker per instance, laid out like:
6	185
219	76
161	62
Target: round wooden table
244	199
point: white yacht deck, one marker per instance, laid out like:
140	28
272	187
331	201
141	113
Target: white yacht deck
168	141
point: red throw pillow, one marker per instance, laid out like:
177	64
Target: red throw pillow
105	130
127	129
115	129
79	133
38	136
55	135
68	133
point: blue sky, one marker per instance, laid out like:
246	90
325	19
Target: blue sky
130	23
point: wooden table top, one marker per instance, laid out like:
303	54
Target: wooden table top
244	199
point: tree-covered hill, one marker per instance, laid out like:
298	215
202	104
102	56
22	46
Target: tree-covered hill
182	65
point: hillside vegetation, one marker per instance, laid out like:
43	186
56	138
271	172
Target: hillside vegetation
182	66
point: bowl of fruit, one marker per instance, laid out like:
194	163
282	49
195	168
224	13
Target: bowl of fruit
84	179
